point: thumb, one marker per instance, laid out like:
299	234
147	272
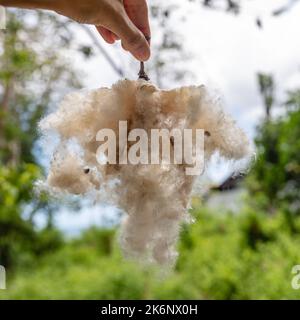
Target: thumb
132	38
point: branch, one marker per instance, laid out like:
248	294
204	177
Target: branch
285	8
118	70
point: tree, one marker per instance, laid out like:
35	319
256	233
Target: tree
168	63
275	179
32	71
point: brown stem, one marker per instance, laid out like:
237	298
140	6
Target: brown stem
142	73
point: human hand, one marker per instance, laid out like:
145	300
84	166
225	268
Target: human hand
126	20
137	12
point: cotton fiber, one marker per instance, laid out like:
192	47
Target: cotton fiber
155	197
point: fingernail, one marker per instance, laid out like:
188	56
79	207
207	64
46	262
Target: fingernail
148	38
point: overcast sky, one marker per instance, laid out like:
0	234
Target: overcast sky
227	53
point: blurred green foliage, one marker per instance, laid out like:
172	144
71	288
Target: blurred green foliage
248	255
30	73
275	180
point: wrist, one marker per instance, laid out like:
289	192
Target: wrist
31	4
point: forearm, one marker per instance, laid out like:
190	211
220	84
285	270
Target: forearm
31	4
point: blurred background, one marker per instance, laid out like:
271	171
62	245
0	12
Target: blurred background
246	238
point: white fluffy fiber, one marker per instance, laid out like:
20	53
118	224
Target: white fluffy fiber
155	197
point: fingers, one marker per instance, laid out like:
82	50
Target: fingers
137	11
133	34
107	35
132	38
